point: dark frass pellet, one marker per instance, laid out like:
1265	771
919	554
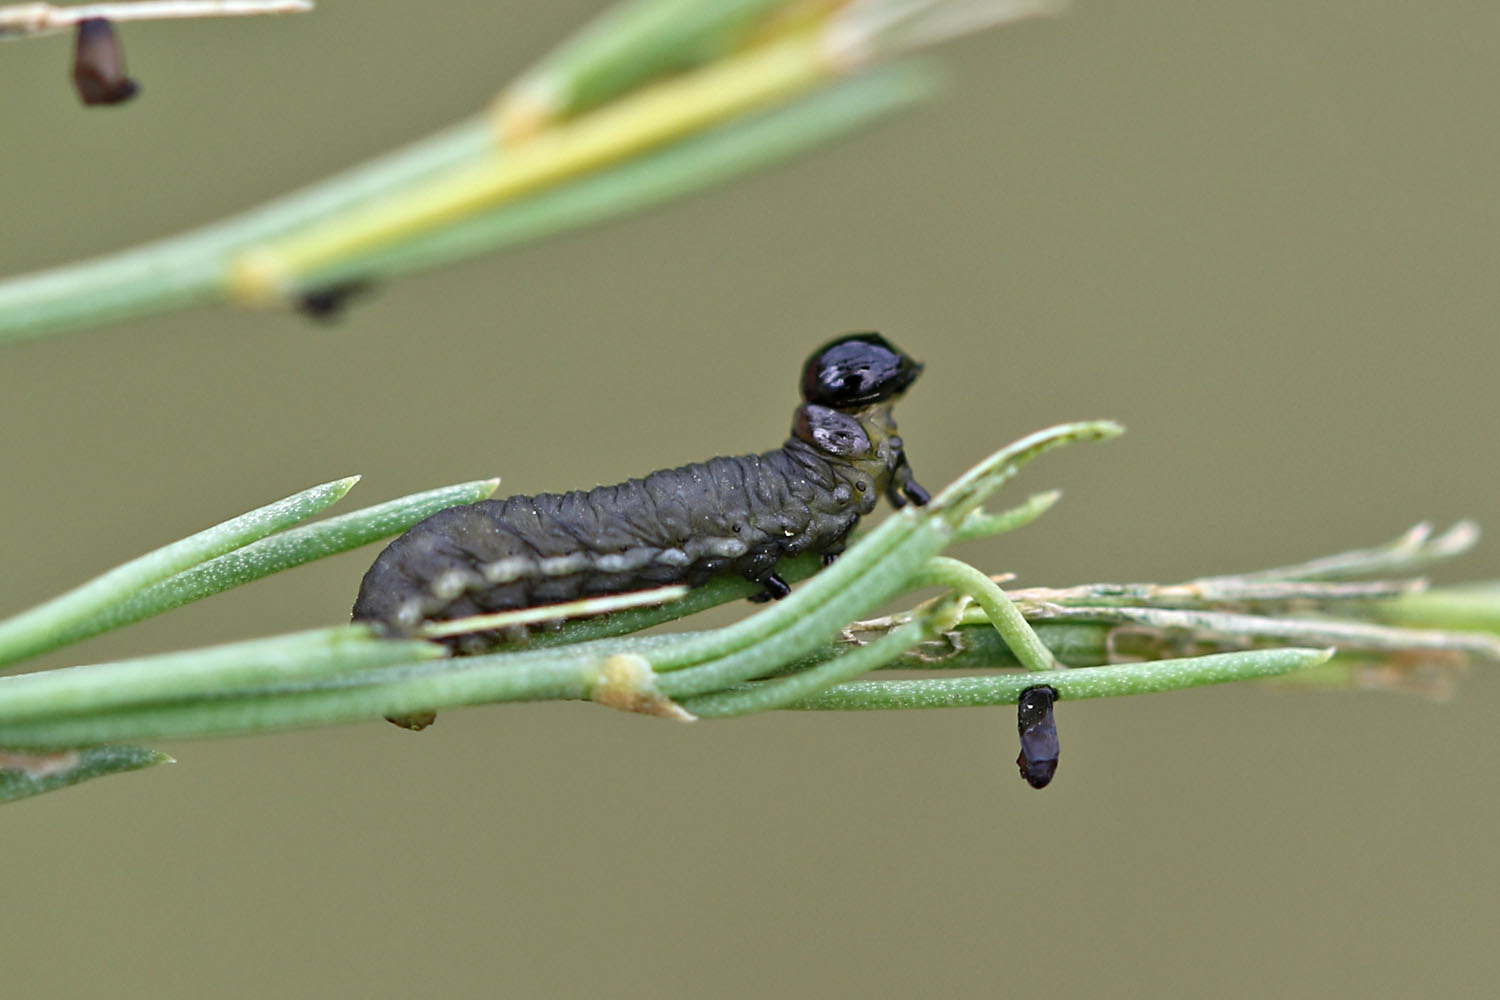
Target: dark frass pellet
328	303
1038	728
99	64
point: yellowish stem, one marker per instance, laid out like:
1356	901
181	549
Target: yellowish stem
267	273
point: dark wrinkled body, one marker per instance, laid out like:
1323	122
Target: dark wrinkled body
685	525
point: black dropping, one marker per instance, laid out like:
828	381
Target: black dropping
99	65
328	303
1038	729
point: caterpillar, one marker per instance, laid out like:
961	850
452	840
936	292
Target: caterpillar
685	525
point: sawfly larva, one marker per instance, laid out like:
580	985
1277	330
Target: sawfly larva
685	525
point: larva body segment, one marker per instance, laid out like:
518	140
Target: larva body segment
685	525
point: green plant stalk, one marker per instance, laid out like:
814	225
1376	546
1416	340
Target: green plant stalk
189	269
965	580
814	623
981	647
1262	595
676	171
349	698
628	44
47	625
1348	636
204	672
283	550
22	776
998	609
572	675
1083	682
1470	608
766	696
982	525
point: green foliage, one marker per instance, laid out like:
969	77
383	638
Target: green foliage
655	100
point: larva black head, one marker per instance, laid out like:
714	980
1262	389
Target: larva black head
856	370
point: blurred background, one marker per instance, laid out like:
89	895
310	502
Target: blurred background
1263	236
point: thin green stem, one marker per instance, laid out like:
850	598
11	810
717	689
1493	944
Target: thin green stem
693	164
749	104
189	269
964	495
203	672
765	696
357	697
980	647
1244	629
1262	594
982	525
626	45
1083	682
1474	607
1412	551
812	624
942	571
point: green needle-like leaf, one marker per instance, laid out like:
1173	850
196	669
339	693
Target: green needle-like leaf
1086	682
24	775
629	43
64	619
285	550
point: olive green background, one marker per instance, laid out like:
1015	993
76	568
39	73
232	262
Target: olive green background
1263	236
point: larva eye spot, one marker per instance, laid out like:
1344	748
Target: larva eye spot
856	370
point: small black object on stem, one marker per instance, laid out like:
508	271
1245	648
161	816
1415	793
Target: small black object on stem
99	64
1038	729
329	302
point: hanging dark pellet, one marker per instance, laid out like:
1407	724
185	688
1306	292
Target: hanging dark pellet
1038	729
328	304
727	516
99	64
